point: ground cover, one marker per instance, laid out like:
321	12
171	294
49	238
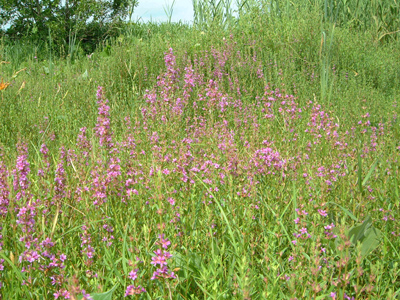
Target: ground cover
180	163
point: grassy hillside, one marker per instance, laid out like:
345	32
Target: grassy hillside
246	158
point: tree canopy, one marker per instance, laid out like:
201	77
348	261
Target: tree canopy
85	19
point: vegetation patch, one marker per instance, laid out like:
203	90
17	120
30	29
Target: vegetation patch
248	156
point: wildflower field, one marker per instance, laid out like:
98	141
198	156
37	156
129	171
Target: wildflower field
256	160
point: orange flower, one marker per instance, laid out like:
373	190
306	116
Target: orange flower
3	85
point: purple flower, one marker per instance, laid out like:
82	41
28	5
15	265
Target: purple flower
132	290
303	230
164	242
21	182
100	92
163	272
86	296
172	202
348	297
267	161
322	212
133	274
160	258
4	191
102	129
60	180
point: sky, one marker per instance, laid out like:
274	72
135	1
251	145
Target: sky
154	10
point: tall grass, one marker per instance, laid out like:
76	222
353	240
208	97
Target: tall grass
169	10
257	160
217	12
382	17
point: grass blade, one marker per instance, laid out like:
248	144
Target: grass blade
371	170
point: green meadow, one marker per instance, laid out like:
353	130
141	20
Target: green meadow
254	154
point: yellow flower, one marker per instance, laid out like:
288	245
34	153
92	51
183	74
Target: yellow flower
3	85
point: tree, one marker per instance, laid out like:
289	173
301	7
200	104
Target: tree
63	19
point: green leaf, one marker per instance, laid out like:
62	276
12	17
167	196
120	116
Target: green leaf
357	233
347	212
368	236
102	296
371	170
17	272
371	241
85	74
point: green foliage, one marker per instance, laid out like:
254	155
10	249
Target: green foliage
366	235
381	16
102	296
213	13
89	20
227	249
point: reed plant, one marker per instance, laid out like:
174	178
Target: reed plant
380	16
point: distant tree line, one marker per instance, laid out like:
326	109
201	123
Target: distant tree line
66	22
